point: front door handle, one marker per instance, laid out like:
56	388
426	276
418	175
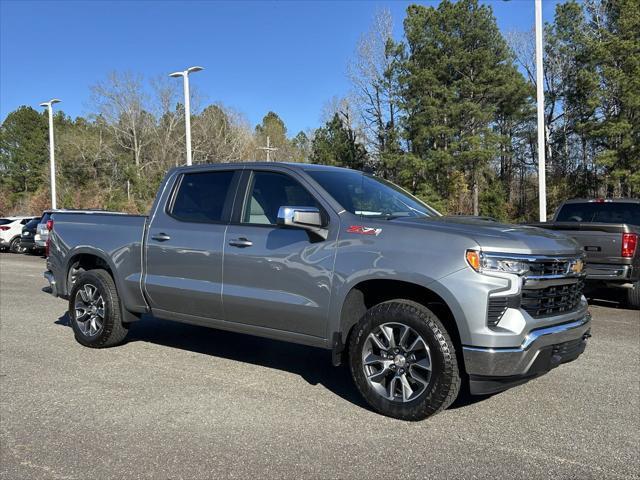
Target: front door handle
240	242
161	237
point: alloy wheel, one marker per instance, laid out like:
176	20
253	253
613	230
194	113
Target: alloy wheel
89	310
397	362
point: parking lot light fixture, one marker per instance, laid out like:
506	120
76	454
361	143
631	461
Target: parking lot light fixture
52	155
187	108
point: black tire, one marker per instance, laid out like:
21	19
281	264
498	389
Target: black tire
14	246
633	296
444	382
113	331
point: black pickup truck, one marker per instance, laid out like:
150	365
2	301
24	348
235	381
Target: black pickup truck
608	230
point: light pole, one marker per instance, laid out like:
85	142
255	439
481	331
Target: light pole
52	155
187	108
542	179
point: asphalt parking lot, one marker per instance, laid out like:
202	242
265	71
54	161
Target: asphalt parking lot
181	401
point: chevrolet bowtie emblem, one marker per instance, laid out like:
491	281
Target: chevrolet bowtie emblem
577	266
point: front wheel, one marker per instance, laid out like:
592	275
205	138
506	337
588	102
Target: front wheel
94	310
403	361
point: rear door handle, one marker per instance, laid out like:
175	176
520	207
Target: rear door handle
240	242
161	237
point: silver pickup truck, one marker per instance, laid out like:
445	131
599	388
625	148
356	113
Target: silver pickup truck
415	302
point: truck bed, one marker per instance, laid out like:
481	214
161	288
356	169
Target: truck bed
118	236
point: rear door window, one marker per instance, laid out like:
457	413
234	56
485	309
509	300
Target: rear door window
201	196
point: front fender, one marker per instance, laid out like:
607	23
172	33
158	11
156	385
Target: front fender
397	253
337	330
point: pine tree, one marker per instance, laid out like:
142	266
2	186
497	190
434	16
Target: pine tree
456	70
618	132
336	144
23	150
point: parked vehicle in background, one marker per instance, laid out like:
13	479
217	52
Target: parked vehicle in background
10	232
416	303
42	232
27	239
608	231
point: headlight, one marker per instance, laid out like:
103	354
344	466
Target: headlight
493	262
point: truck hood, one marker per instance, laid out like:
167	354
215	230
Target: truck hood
499	237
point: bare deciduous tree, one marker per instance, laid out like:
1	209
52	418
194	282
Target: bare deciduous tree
121	101
220	135
375	89
169	132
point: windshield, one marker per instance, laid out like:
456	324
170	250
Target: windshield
600	212
32	223
369	196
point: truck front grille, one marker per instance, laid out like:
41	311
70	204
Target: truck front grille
548	268
555	300
551	285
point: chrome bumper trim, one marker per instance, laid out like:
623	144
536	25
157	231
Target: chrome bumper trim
516	361
608	272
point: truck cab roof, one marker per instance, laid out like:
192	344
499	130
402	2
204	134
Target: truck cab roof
602	200
259	164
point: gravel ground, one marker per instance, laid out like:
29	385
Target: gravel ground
180	401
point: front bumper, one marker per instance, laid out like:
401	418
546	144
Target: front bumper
494	369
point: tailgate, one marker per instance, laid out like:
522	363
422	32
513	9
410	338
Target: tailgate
600	247
602	242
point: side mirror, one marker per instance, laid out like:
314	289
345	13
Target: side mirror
308	218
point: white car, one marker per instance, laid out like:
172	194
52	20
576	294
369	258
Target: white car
10	232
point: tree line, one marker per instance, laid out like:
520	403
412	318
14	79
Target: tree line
448	113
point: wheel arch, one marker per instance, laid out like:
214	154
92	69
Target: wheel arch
87	259
368	293
92	259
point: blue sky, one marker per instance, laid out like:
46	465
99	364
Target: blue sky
289	57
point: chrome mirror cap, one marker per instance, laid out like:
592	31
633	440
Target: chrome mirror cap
308	218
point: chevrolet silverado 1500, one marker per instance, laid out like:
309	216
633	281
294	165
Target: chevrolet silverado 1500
415	302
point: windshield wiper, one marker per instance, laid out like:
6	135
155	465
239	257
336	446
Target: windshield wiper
388	216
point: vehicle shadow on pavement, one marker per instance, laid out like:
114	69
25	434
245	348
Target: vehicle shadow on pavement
312	364
607	297
465	398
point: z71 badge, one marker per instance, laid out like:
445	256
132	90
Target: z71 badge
359	229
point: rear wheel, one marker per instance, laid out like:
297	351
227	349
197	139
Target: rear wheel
94	310
403	361
633	295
